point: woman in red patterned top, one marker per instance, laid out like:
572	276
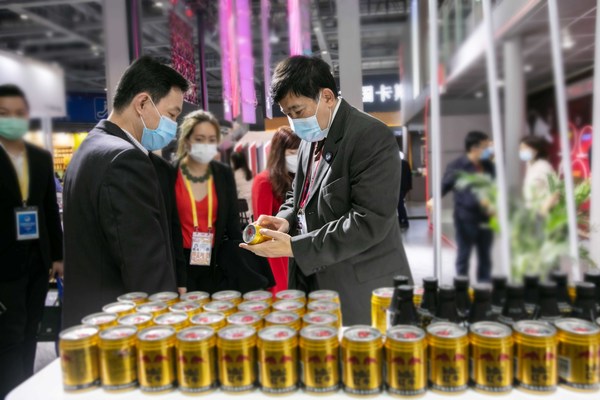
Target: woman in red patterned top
206	200
270	186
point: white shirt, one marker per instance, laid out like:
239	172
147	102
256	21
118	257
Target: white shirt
536	188
135	142
335	110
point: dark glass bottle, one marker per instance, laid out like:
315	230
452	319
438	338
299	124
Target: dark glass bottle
514	307
405	313
446	309
562	292
498	294
400	280
593	276
548	309
463	302
429	302
585	302
481	309
394	304
531	282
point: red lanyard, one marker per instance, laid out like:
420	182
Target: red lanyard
310	179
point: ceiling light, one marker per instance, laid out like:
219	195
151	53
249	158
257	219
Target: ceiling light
49	34
24	16
94	48
324	52
158	4
527	68
96	54
479	94
567	39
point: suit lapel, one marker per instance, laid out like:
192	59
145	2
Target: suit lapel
12	181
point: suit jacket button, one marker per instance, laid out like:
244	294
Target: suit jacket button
328	156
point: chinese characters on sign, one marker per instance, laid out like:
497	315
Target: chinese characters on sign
381	94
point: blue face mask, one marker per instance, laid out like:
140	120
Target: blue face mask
486	154
165	132
308	128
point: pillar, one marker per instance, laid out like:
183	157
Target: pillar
350	57
595	202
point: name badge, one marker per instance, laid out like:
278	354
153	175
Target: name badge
201	248
27	223
302	227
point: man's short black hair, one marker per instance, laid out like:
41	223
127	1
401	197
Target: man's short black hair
147	75
302	76
475	138
9	90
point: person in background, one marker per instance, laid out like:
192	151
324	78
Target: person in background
243	177
536	186
30	244
117	236
271	187
405	187
206	199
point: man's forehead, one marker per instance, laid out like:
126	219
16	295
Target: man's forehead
291	101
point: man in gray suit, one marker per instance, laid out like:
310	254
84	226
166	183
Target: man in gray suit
339	222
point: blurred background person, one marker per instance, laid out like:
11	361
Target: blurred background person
270	188
26	184
405	187
533	151
200	173
243	177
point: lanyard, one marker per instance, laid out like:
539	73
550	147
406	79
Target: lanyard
193	201
310	179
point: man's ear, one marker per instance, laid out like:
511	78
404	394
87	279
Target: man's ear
140	101
328	96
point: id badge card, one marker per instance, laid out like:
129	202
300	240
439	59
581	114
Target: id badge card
302	227
27	221
201	248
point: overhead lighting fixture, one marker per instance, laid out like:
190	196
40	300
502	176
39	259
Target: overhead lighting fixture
94	48
24	16
479	94
96	54
567	39
527	68
49	34
158	4
324	52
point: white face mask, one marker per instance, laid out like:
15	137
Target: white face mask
291	163
203	152
526	155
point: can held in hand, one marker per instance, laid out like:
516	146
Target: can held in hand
177	321
406	360
262	308
225	307
136	297
297	295
100	320
319	362
324	295
252	235
236	348
380	302
578	354
156	359
190	308
118	358
448	348
246	318
78	348
320	318
491	357
277	348
535	356
155	308
232	296
196	359
120	308
284	318
139	320
169	298
214	320
328	307
362	360
259	295
197	296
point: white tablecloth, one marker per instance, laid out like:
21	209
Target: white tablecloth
47	385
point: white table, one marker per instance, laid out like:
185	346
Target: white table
47	385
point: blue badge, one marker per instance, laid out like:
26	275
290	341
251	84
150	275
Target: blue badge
27	223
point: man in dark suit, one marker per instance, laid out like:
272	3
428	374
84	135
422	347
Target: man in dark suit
27	252
339	222
117	234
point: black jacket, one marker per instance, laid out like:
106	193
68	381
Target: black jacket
117	234
406	181
42	194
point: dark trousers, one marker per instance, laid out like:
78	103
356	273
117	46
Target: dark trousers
204	278
24	301
469	235
402	214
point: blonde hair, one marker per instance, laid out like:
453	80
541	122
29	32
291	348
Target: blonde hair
187	127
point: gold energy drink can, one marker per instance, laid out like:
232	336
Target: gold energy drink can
156	359
380	302
169	298
319	363
260	307
232	296
136	297
491	357
252	235
406	360
139	320
176	320
246	318
190	308
120	308
100	320
199	297
535	356
118	357
297	295
196	359
259	295
284	318
277	349
290	306
324	295
155	308
578	354
78	347
236	348
320	318
328	307
225	307
362	360
418	296
448	348
214	320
